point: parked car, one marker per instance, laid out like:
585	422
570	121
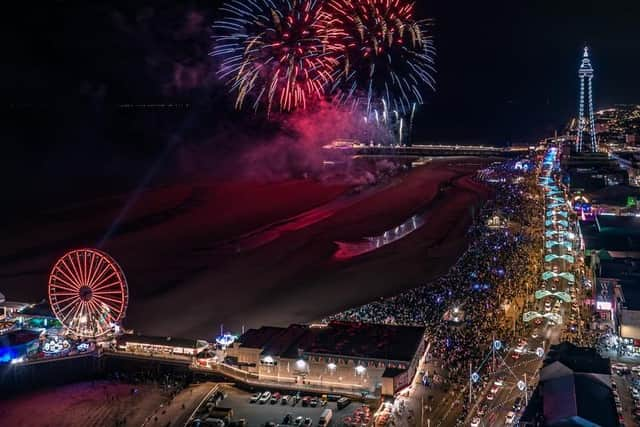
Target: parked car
255	397
510	418
265	397
285	399
476	422
517	404
306	400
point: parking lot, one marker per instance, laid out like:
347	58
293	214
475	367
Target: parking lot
261	414
626	399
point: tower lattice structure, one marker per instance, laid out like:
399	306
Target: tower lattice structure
586	123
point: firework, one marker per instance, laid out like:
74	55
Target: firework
386	57
276	52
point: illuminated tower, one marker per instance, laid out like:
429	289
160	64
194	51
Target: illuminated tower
586	124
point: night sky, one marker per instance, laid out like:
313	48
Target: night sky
71	71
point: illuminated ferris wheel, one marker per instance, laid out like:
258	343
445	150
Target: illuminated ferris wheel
88	292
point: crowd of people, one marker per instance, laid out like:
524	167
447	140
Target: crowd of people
489	284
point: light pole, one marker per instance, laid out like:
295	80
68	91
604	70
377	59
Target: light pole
470	385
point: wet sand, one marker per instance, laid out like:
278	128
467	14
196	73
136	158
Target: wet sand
100	403
244	254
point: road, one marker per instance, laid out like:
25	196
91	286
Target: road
540	333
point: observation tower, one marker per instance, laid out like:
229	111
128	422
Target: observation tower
586	122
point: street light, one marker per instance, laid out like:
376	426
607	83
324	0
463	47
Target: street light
301	364
332	366
360	369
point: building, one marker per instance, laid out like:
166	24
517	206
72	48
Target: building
340	355
574	390
618	236
618	126
160	345
629	161
616	200
619	285
9	309
588	172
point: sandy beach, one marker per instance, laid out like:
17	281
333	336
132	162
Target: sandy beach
244	254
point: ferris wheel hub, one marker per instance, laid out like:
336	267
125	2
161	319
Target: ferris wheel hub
85	293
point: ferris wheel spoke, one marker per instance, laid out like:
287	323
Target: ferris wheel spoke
101	270
68	279
94	306
108	307
96	263
64	304
104	279
65	299
83	266
89	270
112	285
68	310
60	283
107	293
103	298
77	267
72	272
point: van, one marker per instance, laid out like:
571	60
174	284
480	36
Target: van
343	402
325	418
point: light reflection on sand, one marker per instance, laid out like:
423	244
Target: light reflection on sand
348	250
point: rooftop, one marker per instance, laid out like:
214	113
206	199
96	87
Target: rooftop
42	309
575	387
618	224
578	359
21	336
574	396
631	294
617	235
617	195
619	268
345	339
